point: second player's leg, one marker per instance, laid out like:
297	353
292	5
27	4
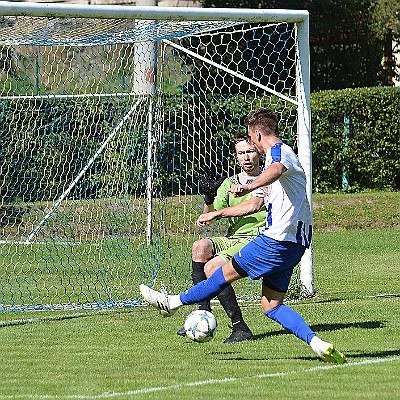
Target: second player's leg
202	252
228	300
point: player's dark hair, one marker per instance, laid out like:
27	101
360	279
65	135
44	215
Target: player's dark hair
263	119
239	137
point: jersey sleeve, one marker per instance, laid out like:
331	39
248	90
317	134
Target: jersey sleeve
283	154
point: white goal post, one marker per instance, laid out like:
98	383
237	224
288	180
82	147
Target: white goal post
106	112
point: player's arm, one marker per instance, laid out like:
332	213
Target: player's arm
268	176
246	207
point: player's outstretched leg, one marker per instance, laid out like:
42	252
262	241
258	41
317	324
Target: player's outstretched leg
294	323
204	290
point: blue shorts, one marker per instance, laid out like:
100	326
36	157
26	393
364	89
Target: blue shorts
269	259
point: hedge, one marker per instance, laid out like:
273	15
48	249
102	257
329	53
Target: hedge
368	151
368	156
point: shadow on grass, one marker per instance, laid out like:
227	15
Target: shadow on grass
47	318
375	354
233	356
371	355
327	327
338	299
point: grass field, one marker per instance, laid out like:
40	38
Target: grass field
135	354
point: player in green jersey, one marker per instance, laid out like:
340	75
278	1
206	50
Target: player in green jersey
210	253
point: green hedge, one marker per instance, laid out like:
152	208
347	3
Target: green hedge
355	133
36	138
371	158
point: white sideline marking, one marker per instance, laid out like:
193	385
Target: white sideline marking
200	383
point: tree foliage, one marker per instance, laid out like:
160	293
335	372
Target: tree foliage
385	16
44	152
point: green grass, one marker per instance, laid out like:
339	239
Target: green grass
366	210
135	354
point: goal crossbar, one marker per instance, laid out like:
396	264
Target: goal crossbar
68	96
160	13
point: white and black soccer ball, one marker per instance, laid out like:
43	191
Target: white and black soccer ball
201	326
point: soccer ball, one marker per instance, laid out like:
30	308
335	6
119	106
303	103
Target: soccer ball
201	326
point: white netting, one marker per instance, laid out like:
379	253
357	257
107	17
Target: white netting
42	31
103	123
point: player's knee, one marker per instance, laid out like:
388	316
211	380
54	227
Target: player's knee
209	270
269	305
265	305
202	250
213	265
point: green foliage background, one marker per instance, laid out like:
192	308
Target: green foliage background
369	156
371	159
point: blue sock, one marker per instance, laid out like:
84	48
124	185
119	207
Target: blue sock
205	290
292	321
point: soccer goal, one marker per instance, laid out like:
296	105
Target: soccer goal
106	112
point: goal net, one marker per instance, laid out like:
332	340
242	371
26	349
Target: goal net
106	112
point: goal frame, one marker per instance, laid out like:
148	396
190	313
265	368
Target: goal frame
300	17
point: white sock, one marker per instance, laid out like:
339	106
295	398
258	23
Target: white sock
319	346
175	301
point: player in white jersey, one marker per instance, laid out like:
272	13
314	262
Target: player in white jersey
273	254
289	216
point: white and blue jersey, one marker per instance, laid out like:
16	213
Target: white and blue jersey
288	210
273	254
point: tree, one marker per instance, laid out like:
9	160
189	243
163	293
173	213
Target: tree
385	22
385	15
